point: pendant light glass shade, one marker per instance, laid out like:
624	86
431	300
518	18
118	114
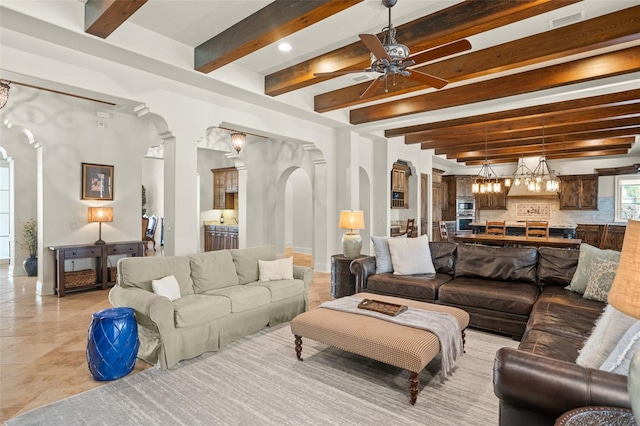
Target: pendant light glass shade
486	181
543	178
4	92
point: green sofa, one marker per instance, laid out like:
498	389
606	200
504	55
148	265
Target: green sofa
221	301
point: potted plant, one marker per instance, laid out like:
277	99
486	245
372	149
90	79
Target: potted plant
30	242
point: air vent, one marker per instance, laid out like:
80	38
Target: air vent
567	20
361	78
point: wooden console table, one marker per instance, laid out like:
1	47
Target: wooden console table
100	254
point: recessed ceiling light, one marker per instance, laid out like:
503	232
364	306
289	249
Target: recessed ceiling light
284	47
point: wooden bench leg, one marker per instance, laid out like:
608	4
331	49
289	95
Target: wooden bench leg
414	381
298	347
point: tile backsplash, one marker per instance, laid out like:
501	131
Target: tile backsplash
550	210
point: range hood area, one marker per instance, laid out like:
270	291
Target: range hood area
521	191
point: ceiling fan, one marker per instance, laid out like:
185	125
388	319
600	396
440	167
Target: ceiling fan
390	58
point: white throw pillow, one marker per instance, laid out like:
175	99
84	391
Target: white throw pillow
167	287
383	255
411	256
606	334
274	270
620	358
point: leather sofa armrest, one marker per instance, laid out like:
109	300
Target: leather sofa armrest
551	387
362	268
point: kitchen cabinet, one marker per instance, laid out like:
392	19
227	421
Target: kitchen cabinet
225	188
220	237
463	187
438	196
493	200
579	192
400	186
592	234
455	187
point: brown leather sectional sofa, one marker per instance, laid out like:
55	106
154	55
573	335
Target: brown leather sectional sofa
519	292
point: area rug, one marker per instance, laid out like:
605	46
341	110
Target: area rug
258	381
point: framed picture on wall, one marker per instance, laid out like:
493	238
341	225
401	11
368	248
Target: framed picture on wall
97	182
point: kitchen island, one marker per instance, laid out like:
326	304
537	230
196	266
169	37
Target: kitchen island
560	230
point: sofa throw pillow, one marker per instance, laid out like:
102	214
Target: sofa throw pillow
411	256
587	253
600	279
383	255
606	334
620	358
274	270
167	287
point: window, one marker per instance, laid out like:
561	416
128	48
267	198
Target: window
627	197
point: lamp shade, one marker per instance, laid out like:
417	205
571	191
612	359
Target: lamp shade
100	214
351	219
625	290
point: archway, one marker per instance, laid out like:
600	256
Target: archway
298	214
365	206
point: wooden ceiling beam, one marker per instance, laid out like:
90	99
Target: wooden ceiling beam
453	23
542	111
588	154
506	127
534	149
589	135
608	30
102	17
588	69
535	152
270	24
538	133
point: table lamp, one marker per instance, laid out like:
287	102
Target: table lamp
625	297
351	240
100	214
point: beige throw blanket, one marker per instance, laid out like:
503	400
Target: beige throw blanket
443	325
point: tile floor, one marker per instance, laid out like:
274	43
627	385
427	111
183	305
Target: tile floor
43	340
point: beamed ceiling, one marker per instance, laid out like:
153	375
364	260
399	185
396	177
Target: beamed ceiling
510	59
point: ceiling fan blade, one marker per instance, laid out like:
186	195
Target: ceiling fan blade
429	80
375	46
439	52
326	74
373	87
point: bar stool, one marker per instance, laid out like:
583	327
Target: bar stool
112	343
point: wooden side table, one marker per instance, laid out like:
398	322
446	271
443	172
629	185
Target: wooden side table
343	282
595	416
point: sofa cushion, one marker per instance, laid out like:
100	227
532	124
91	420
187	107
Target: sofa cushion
443	256
200	308
587	253
244	298
211	270
275	270
556	266
501	296
496	263
139	272
282	289
416	287
562	320
246	261
411	256
601	277
540	342
553	294
608	331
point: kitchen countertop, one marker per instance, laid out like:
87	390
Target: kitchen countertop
521	224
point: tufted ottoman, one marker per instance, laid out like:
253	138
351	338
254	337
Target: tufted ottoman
398	345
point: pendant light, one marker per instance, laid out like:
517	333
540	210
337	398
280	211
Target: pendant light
486	181
543	177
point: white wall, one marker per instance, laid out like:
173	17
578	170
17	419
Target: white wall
302	212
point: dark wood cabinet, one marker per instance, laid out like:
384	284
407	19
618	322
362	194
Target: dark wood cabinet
400	186
438	196
454	188
225	188
220	237
493	200
103	272
579	192
594	235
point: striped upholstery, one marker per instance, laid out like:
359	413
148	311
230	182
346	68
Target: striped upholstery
401	346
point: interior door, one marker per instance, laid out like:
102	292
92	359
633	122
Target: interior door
424	205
